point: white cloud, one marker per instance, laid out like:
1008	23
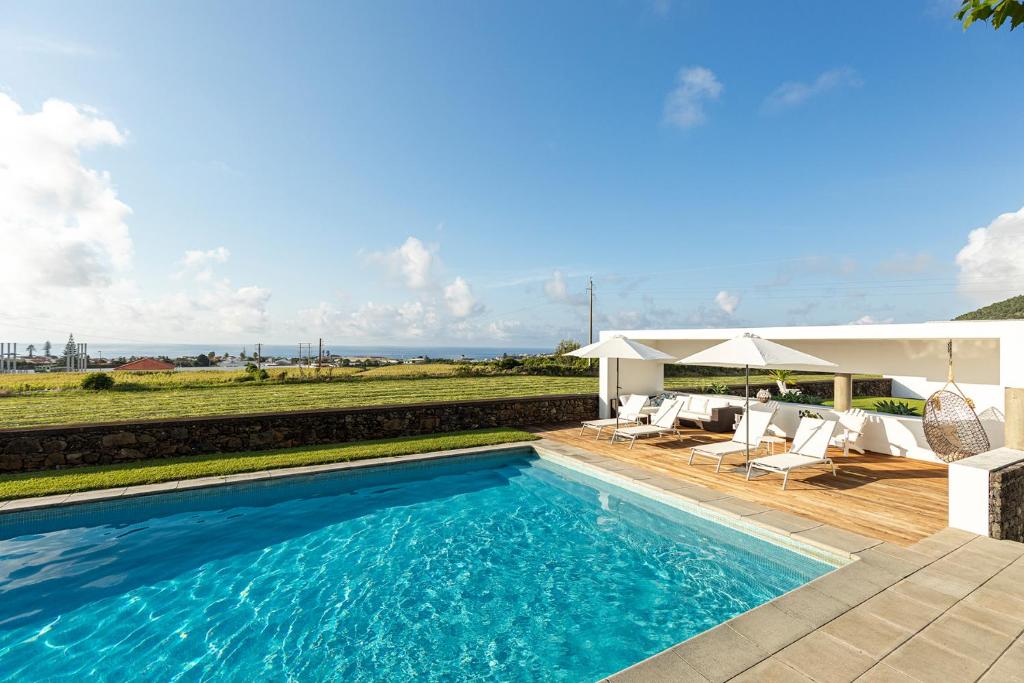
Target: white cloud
993	258
556	288
727	301
695	86
413	263
460	300
200	263
869	320
69	248
794	93
62	224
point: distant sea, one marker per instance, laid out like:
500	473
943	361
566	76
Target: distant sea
97	350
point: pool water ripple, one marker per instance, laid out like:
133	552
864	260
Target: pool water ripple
501	568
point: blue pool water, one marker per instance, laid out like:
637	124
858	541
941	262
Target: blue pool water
504	568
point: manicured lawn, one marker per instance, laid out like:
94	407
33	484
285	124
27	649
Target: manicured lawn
868	402
191	467
52	399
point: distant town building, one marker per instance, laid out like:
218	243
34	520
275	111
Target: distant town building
146	365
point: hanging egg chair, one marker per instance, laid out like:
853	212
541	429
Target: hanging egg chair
951	426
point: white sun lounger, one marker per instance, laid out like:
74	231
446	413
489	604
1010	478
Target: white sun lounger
629	413
759	419
809	449
851	427
663	422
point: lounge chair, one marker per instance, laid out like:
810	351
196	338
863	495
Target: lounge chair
809	449
629	413
759	419
662	422
851	428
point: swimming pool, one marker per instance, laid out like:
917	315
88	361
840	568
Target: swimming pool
504	567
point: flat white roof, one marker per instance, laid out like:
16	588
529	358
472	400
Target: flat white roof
944	329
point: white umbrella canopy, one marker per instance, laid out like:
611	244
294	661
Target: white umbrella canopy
750	351
618	347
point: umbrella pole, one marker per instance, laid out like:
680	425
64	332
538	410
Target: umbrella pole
746	408
618	388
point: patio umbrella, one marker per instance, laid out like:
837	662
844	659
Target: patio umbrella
619	347
749	351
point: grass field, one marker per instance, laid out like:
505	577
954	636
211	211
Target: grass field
56	398
220	464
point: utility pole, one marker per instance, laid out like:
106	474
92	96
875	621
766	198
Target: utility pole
590	293
259	356
320	356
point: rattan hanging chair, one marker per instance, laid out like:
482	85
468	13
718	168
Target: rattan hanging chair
951	426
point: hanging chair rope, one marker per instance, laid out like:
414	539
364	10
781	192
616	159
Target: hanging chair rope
950	422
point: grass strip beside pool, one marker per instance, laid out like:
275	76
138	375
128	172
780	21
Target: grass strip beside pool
156	470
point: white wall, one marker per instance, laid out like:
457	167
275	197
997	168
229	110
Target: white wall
983	395
634	377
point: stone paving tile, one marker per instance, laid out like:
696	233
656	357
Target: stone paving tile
699	494
1004	549
901	565
847	587
883	673
247	476
31	503
901	610
1007	624
664	667
771	670
784	521
837	538
667	483
943	582
967	638
735	506
148	489
720	654
929	596
769	627
811	606
199	483
868	633
924	660
1009	668
826	659
997	600
88	496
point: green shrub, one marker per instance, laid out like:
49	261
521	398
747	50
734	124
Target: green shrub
794	397
894	408
98	381
715	388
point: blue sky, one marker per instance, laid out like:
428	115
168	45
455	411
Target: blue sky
450	173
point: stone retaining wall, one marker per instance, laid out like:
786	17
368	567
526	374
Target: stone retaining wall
39	448
1006	503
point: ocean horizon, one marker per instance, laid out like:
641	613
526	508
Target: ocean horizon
99	350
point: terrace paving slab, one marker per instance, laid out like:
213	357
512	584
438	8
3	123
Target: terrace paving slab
772	670
900	561
93	496
807	604
864	631
784	521
699	494
735	506
883	673
900	610
837	538
22	504
924	660
150	489
823	658
1009	668
664	667
720	654
769	627
967	638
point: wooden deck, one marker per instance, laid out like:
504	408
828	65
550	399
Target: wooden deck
890	498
